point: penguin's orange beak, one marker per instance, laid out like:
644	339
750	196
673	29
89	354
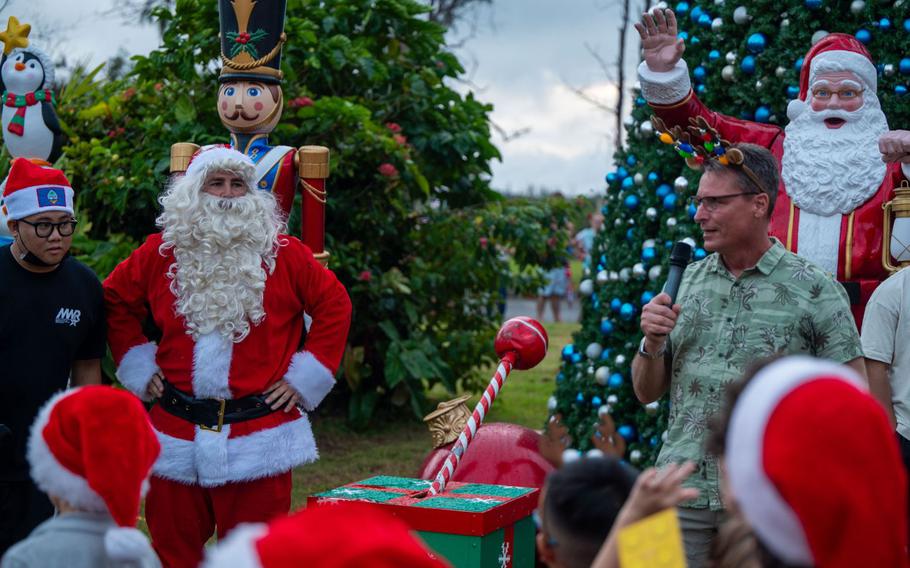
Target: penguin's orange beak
20	66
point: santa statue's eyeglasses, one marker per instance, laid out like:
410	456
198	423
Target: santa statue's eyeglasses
848	94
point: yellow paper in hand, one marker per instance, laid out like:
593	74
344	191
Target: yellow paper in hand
654	542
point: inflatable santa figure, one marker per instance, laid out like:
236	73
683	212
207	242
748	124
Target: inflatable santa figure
834	177
250	101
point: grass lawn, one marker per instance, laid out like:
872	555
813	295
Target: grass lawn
399	447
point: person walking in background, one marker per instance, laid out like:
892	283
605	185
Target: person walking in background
584	239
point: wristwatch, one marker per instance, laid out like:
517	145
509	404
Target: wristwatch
646	355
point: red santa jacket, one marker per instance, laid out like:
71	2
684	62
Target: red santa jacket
213	367
859	263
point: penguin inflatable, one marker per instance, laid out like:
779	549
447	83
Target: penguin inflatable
30	127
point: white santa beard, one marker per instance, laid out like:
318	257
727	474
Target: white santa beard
224	249
827	171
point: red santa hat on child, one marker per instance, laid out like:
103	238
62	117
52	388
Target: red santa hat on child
343	535
94	447
32	189
815	467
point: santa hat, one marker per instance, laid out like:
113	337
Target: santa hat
32	189
94	447
343	535
816	469
216	157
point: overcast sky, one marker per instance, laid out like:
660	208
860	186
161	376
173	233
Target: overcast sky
523	56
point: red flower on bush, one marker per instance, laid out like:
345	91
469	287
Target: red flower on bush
128	93
394	127
388	170
159	86
401	139
301	102
484	242
365	276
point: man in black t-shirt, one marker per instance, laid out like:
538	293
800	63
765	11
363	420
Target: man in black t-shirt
52	329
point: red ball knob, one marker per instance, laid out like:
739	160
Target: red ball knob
526	338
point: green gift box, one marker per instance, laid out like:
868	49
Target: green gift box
471	525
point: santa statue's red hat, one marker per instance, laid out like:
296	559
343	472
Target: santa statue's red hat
837	52
816	469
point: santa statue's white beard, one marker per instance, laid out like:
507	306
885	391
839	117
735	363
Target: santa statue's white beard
224	250
828	171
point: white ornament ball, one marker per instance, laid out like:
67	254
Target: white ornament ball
671	222
620	361
661	5
646	128
681	184
730	57
759	84
586	287
639	178
728	73
741	15
570	455
654	272
551	403
689	241
635	456
889	69
625	274
648	243
857	6
591	370
614	276
612	399
594	453
651	213
638	270
602	375
617	222
604	410
718	2
629	120
652	407
602	277
785	23
818	36
594	350
717	24
780	71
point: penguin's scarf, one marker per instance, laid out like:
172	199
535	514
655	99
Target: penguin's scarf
21	102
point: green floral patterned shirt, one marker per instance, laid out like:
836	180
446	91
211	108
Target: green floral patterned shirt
784	304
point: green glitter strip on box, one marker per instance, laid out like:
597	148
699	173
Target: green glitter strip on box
491	490
395	482
350	493
456	504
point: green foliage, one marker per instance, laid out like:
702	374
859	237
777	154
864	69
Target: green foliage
413	227
619	247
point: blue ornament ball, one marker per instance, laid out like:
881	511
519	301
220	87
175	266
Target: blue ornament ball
631	201
580	398
696	13
567	351
900	90
621	173
700	89
652	177
762	114
904	66
798	65
699	74
615	304
713	55
694	40
576	357
640	101
605	210
627	311
628	182
813	4
627	431
670	202
663	190
646	297
595	302
756	43
884	24
792	92
606	327
648	255
630	234
654	441
691	210
560	377
700	253
596	401
704	21
631	160
748	65
611	178
615	381
907	25
864	36
683	35
681	8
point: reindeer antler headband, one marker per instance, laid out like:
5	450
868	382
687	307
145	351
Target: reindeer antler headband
710	146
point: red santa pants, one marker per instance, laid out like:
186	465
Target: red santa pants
181	518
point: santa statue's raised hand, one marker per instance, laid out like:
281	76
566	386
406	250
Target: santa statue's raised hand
895	146
661	47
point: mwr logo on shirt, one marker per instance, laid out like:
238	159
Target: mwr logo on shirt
68	316
51	196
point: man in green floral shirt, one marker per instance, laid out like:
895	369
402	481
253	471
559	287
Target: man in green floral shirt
750	299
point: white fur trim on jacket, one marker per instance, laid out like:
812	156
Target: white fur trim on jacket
50	475
664	87
137	368
311	379
214	459
237	549
212	366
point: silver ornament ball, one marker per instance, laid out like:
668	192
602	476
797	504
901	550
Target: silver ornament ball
594	453
639	178
889	69
646	128
612	399
602	375
648	243
780	71
741	15
635	456
570	455
728	73
625	274
717	24
614	276
857	6
681	184
651	213
785	23
818	36
586	287
620	361
551	403
604	410
689	241
602	277
594	350
654	273
671	222
730	57
759	84
652	407
638	270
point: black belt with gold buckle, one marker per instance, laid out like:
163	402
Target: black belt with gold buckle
209	413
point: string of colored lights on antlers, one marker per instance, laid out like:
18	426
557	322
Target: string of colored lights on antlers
709	145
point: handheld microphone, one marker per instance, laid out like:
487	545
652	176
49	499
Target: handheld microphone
680	255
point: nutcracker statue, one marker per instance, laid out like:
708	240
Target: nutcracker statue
30	128
840	162
250	101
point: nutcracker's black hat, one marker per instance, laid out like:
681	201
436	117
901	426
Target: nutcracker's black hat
252	33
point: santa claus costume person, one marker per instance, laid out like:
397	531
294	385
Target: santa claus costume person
834	178
228	292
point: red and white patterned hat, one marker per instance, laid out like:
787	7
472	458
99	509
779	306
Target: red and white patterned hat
32	189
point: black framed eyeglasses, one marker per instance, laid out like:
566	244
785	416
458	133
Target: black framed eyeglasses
712	202
44	228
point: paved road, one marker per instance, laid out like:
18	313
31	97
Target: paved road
516	306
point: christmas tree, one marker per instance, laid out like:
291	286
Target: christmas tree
744	60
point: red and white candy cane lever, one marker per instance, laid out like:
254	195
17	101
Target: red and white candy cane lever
521	344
